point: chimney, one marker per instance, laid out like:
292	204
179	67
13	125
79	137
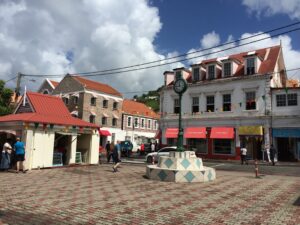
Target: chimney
169	77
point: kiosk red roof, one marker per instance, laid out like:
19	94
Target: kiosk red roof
45	109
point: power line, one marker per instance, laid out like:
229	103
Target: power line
167	63
11	79
185	54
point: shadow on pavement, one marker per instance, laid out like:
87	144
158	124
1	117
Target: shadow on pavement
297	202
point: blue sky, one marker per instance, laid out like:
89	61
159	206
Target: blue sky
59	37
186	21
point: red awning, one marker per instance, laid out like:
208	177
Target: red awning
171	132
105	133
195	132
222	133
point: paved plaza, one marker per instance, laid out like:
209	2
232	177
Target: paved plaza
95	195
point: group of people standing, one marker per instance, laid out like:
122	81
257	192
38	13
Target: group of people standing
271	155
13	156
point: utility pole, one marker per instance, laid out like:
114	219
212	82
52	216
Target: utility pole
18	88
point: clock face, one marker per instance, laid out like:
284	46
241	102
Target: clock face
179	86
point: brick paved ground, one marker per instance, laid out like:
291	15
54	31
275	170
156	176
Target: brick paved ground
95	195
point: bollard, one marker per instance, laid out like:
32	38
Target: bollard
256	168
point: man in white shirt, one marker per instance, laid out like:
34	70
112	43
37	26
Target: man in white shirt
152	147
243	155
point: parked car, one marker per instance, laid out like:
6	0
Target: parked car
126	148
161	152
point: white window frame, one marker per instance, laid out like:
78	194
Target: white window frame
129	117
214	97
246	65
199	78
207	72
223	69
136	125
155	124
149	124
143	123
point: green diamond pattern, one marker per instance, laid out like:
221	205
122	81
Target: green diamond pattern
168	163
189	176
209	175
162	175
198	163
185	163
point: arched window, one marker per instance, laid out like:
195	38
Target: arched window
46	92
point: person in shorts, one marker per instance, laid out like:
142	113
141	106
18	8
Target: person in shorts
20	154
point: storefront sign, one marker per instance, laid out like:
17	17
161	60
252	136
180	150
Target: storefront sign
171	132
250	130
285	132
222	133
195	132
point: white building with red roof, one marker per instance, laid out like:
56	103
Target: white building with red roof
139	122
227	104
51	135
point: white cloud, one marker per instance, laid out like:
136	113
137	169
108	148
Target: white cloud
271	7
290	55
210	40
36	37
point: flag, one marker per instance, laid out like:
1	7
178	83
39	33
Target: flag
24	98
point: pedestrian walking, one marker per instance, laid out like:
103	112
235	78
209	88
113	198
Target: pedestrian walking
272	154
117	156
152	147
6	156
20	155
244	155
107	148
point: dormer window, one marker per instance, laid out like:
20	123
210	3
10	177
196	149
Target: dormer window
196	74
250	69
227	69
211	72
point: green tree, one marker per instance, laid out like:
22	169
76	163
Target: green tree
5	99
151	99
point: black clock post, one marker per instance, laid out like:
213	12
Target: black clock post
180	87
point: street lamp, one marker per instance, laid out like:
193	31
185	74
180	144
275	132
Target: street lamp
180	87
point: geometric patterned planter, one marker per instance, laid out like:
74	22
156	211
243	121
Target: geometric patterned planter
182	167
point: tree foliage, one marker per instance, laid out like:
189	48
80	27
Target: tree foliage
5	99
151	99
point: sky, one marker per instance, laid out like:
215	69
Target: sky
73	36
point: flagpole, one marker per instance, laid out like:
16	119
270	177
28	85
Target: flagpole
24	97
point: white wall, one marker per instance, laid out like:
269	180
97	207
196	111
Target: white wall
42	151
94	149
236	88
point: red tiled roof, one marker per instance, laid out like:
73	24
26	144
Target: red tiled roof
292	83
97	86
137	108
266	66
47	109
54	83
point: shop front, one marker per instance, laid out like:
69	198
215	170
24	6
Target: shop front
287	143
171	136
221	143
251	137
196	139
